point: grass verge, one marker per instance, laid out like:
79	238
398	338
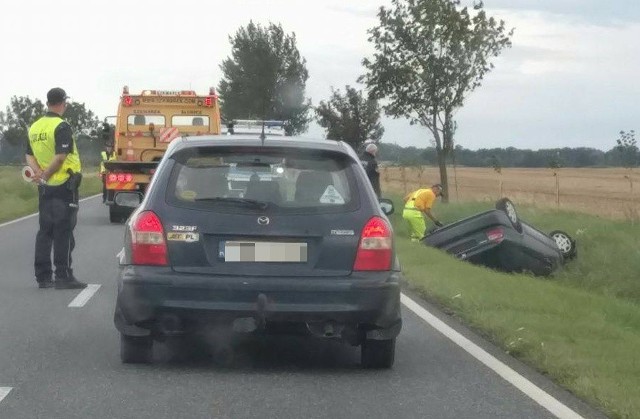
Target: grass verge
581	327
18	198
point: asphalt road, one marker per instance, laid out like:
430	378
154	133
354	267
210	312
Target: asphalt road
58	361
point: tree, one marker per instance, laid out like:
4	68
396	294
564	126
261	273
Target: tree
265	78
81	119
353	117
628	149
429	57
22	112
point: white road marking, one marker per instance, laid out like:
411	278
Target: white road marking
84	296
527	387
26	217
4	391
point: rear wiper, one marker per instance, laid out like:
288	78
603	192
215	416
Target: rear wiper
244	201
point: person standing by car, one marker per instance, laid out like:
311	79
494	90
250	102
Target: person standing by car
52	154
417	205
370	164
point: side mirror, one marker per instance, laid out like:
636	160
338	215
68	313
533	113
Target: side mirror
386	205
128	199
152	127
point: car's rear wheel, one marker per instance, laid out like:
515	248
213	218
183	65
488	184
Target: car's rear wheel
378	353
136	349
565	243
509	209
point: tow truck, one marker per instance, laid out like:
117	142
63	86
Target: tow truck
144	126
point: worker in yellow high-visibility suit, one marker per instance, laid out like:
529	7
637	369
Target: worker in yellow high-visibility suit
417	205
106	156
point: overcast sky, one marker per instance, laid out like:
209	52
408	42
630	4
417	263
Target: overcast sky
572	77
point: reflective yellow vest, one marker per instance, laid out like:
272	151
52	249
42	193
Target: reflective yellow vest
105	158
43	144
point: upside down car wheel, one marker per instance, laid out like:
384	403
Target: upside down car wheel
509	209
565	243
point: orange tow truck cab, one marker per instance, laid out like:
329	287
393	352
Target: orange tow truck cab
145	125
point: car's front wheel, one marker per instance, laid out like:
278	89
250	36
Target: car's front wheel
378	353
136	349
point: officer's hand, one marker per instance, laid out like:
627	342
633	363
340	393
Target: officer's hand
439	224
37	176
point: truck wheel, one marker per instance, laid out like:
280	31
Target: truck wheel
136	349
118	214
378	353
114	215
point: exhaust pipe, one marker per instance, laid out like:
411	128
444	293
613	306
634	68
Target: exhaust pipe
170	324
329	329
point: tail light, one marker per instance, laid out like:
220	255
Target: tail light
208	101
495	235
119	177
376	247
127	100
148	246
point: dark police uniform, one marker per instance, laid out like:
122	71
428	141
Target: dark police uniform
58	200
371	167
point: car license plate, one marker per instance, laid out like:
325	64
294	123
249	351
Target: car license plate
245	251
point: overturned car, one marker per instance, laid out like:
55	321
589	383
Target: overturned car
498	239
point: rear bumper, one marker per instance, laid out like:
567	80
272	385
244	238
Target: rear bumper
367	304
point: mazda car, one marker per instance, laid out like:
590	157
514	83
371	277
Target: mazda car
254	236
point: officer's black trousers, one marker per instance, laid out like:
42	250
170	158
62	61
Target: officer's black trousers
58	208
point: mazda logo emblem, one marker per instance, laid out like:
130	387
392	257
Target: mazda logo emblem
263	221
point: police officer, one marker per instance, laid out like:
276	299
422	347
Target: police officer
370	164
53	156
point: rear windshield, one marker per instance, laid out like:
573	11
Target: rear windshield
139	121
267	180
190	121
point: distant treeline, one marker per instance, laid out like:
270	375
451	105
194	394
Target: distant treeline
88	147
510	157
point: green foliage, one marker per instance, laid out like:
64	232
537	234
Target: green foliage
429	56
352	118
265	78
507	157
20	114
555	162
628	149
23	111
495	162
81	119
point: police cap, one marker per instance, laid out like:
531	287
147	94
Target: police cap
56	95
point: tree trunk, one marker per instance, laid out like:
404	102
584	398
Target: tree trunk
444	181
442	158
